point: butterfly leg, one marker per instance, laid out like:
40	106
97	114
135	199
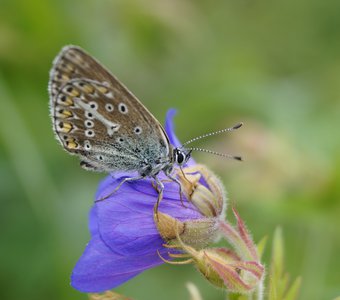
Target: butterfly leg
160	189
119	185
168	174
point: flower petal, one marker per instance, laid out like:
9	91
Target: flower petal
240	238
93	221
100	269
229	275
126	221
124	238
169	127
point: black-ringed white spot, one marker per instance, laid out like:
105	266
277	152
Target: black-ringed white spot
122	108
89	124
109	107
89	133
87	145
137	130
89	115
93	105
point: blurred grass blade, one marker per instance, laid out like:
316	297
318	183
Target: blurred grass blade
278	253
261	245
109	295
276	266
193	291
234	296
293	291
279	280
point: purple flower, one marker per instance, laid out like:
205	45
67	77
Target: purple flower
124	238
128	238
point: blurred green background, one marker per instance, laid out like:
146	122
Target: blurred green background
275	65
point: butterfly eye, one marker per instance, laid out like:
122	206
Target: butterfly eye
179	156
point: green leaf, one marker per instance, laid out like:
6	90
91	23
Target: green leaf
236	296
278	253
278	279
261	245
276	266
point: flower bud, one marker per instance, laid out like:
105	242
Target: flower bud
224	269
205	192
196	233
108	295
238	271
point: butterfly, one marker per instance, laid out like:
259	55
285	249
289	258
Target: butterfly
96	118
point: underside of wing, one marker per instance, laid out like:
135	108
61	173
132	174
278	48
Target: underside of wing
97	118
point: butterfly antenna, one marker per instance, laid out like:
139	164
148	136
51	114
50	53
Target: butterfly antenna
216	153
237	126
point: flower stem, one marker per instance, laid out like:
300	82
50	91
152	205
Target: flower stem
259	290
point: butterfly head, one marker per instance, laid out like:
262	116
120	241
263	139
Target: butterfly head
181	156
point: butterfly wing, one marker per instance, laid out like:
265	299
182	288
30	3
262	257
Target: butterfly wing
97	118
